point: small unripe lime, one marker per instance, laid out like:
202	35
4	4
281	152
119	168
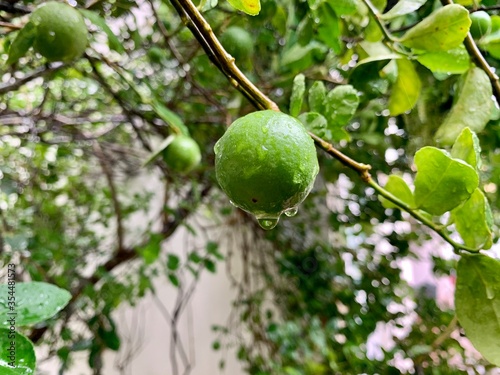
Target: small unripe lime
238	42
481	24
61	34
183	154
266	163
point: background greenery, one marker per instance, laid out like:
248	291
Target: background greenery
74	135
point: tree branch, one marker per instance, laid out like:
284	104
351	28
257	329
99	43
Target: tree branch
203	33
216	52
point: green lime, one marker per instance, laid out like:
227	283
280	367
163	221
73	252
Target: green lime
183	154
481	24
266	163
61	34
238	42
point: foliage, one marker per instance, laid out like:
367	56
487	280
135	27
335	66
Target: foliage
400	86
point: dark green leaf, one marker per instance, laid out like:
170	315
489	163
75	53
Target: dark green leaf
23	42
34	302
444	29
173	279
473	221
16	350
113	41
366	76
477	302
297	98
173	262
406	90
209	265
472	109
442	183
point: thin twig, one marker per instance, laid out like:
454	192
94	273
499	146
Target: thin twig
113	191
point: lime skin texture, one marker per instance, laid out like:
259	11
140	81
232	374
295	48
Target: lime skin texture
266	163
61	33
183	154
481	24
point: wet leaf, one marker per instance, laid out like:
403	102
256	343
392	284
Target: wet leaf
442	183
477	302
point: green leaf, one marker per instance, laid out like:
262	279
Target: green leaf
406	89
467	148
170	117
23	42
35	302
210	265
206	5
173	279
444	29
159	149
403	7
114	43
491	43
173	262
297	97
400	189
442	183
316	98
315	123
251	7
366	76
107	333
341	104
151	251
477	302
453	61
344	7
18	350
329	29
473	221
472	109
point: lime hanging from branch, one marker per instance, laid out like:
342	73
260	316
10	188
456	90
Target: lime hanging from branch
61	34
266	163
182	154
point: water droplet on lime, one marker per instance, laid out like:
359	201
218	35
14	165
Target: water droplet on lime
268	223
291	211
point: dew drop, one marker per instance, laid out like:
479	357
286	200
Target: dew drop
490	293
268	223
291	211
